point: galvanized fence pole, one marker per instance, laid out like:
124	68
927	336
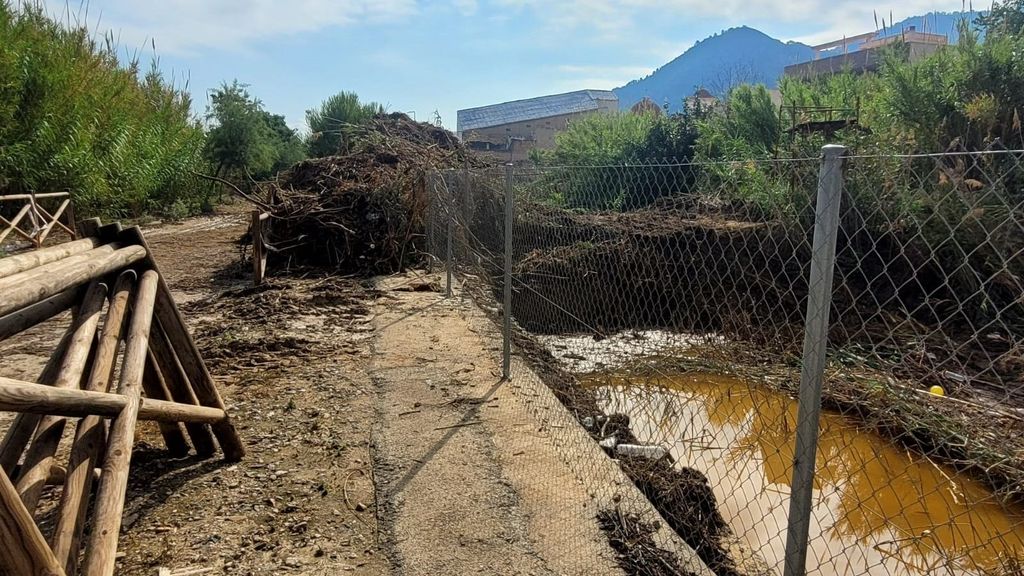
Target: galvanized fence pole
449	263
823	256
506	356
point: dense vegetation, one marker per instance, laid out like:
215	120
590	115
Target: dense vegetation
915	223
331	124
125	141
245	142
967	97
73	118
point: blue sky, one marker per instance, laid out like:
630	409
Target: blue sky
422	56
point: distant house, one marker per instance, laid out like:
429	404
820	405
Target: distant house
703	99
863	53
647	106
510	130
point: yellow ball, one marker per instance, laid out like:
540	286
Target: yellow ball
937	390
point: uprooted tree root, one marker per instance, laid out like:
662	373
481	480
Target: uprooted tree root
364	209
635	549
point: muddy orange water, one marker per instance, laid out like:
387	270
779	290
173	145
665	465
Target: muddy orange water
878	509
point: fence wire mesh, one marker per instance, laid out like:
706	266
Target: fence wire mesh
658	315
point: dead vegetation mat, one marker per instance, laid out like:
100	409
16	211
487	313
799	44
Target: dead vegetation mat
635	549
231	343
362	210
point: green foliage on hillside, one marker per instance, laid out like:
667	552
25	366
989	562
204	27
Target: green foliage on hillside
73	117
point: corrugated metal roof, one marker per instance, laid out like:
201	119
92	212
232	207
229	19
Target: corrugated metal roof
532	109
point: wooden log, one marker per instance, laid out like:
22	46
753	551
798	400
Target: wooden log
181	341
40	454
88	227
29	316
155	388
37	274
259	257
35	196
23	550
32	398
24	425
64	276
90	436
14	264
12	224
177	384
71	226
100	556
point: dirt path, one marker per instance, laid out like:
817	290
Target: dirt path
471	486
338	388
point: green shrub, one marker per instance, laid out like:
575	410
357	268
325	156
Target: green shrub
331	123
73	117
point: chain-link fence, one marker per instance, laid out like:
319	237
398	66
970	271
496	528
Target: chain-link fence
676	312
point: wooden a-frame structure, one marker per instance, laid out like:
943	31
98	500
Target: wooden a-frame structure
124	326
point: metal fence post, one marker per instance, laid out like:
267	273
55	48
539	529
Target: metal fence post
506	356
823	256
449	263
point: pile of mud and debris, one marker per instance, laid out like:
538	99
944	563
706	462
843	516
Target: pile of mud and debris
364	209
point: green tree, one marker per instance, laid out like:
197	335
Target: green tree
1005	18
289	147
330	123
239	142
245	140
752	117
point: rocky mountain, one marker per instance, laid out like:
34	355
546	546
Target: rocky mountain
744	54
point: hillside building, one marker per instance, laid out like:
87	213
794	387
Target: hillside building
863	53
510	130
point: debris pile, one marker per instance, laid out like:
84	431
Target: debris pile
362	210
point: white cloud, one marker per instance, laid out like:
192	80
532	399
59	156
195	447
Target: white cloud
187	26
190	26
613	17
597	77
466	7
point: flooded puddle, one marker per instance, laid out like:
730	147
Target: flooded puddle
878	509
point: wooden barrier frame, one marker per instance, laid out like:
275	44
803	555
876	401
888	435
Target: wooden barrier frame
162	378
257	230
42	221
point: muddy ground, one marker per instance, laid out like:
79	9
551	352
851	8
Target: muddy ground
380	438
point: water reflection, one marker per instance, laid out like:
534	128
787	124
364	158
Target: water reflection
878	509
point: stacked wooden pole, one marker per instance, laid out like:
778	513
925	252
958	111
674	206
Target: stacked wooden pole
118	300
